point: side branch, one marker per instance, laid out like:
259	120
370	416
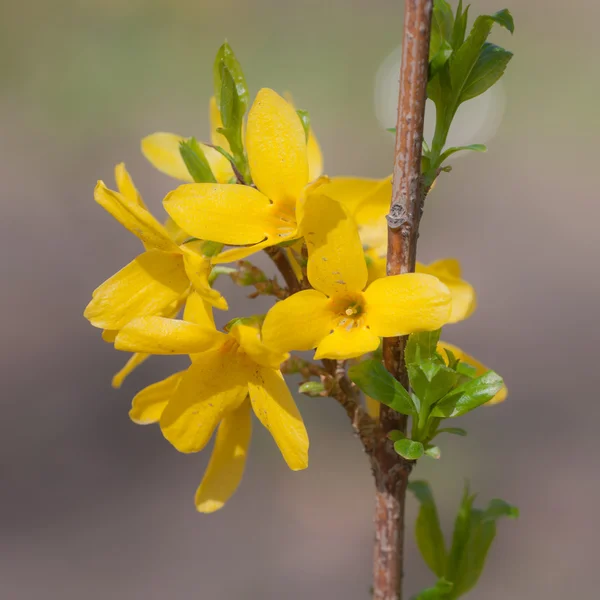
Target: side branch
285	268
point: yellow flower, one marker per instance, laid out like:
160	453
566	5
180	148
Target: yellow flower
480	369
162	151
447	270
252	217
230	375
339	317
157	282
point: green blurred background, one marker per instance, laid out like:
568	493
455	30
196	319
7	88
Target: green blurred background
95	507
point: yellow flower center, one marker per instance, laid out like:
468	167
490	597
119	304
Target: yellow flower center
283	220
349	310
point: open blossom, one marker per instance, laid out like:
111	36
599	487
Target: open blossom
339	317
157	282
241	215
230	375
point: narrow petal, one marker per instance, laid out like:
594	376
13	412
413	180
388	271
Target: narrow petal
347	343
249	339
198	268
276	410
135	218
366	199
158	335
336	260
403	304
126	186
448	271
146	286
198	310
162	151
315	157
230	214
109	335
276	146
480	368
227	461
299	322
149	404
135	361
215	385
242	252
376	265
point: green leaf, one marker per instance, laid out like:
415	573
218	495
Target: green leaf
196	162
211	248
225	55
465	369
430	539
465	58
421	347
460	536
439	59
409	449
454	149
490	66
460	26
375	381
441	26
440	591
433	452
391	129
468	395
482	534
505	19
230	106
305	120
313	389
453	431
431	381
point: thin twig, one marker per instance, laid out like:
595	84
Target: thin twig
348	396
392	471
285	268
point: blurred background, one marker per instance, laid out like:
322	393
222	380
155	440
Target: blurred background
95	507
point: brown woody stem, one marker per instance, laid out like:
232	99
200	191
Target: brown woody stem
391	470
285	268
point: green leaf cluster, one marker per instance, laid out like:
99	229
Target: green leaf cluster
461	67
458	568
441	389
231	93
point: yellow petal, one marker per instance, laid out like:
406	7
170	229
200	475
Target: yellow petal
230	214
126	186
299	322
347	343
276	410
248	338
135	361
220	166
198	268
374	236
214	114
158	335
149	404
480	368
448	271
373	407
175	232
215	385
227	461
135	218
276	146
198	310
242	252
366	199
403	304
162	151
336	261
315	157
376	265
146	286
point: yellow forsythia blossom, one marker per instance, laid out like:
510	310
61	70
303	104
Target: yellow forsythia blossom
339	317
230	374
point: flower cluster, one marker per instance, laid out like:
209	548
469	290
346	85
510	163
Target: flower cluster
257	185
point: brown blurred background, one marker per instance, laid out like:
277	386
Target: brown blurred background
95	507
